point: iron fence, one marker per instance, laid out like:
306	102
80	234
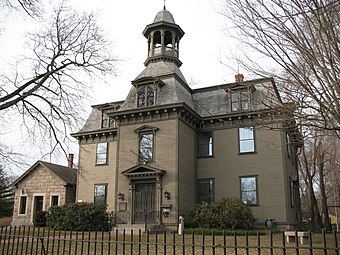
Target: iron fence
30	240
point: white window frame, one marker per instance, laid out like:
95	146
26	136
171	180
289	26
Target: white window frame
244	140
55	195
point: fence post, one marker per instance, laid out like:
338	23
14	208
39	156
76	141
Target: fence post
181	225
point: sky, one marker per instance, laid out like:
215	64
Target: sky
202	48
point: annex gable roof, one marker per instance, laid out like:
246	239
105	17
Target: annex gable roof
66	174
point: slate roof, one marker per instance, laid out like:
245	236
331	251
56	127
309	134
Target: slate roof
66	174
165	16
206	102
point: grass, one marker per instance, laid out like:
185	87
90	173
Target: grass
169	243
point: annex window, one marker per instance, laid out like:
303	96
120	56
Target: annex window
146	141
249	190
23	204
246	139
205	190
239	100
205	144
106	120
100	193
101	155
54	200
146	96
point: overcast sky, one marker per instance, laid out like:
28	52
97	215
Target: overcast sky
203	46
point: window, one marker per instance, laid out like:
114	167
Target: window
249	190
239	100
101	158
205	144
146	146
23	203
100	191
205	188
246	139
106	120
54	200
146	96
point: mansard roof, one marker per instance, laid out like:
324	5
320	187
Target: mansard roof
205	102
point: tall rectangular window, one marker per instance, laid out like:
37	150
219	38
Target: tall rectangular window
205	144
23	204
54	200
101	155
100	193
205	190
249	190
146	146
246	139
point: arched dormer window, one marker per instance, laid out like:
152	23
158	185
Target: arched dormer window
146	96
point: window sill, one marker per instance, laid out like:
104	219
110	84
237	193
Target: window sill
247	153
254	205
105	164
212	156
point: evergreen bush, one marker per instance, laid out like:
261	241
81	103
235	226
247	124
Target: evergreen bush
78	216
39	219
226	213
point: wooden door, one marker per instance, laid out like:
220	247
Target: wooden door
144	203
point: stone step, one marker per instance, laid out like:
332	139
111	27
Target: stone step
136	227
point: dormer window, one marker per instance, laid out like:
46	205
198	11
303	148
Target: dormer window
146	96
106	120
240	100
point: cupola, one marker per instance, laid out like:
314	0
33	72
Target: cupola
163	37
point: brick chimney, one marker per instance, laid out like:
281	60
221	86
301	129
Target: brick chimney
70	160
239	77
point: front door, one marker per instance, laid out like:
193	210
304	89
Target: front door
144	203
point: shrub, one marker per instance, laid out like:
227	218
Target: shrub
226	213
39	219
78	216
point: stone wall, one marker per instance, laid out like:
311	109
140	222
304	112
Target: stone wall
39	182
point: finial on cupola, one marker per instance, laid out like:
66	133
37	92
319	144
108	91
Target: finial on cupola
164	6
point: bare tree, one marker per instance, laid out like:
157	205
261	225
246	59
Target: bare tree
302	38
319	171
46	90
32	7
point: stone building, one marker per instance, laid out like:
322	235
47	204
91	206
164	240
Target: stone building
41	186
167	146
